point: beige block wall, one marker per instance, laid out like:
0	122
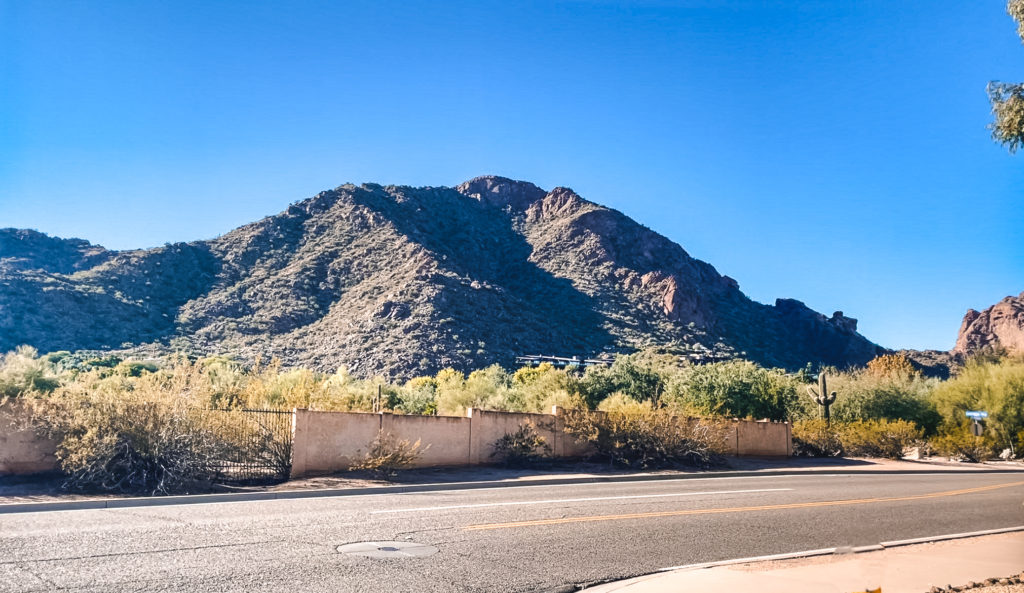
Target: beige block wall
328	442
444	440
488	427
770	439
22	450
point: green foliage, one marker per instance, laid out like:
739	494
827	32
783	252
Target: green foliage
640	436
878	438
995	387
642	377
869	395
387	455
521	448
23	372
418	396
1008	112
1007	99
736	389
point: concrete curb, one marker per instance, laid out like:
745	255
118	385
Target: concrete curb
115	503
828	551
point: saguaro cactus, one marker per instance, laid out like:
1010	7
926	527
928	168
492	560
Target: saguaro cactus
822	397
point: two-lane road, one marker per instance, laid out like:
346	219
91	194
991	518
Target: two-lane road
531	538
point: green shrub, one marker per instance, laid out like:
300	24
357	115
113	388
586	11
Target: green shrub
878	438
642	376
387	455
736	389
23	371
418	396
643	437
521	448
877	395
958	443
991	384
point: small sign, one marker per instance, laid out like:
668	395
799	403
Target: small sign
977	429
977	415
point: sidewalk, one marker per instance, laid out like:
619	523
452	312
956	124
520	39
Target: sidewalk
901	569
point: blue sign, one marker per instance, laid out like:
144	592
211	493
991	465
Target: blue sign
976	415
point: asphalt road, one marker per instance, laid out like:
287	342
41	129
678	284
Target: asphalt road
533	538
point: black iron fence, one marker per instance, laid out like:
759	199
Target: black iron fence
260	446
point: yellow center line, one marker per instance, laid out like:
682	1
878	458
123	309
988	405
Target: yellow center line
771	507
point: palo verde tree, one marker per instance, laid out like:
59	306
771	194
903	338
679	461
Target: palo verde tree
1008	98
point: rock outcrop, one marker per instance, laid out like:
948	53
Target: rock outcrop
1001	325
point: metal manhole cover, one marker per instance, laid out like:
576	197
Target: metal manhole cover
386	550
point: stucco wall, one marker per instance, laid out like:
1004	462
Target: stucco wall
22	450
327	442
445	437
771	439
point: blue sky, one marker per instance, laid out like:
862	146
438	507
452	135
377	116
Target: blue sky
834	152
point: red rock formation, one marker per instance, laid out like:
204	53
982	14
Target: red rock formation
1001	324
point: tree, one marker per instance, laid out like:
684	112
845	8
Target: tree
1008	98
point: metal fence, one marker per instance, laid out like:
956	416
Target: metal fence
261	448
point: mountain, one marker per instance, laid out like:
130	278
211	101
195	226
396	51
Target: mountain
401	281
1001	325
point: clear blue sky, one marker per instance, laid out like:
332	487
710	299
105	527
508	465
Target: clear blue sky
834	152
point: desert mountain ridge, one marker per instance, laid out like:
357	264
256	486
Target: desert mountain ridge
999	326
400	281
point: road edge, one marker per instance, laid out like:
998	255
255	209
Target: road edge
115	503
826	551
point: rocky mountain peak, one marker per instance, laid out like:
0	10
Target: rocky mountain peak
501	191
1001	325
26	249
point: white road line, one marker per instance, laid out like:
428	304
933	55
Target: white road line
561	500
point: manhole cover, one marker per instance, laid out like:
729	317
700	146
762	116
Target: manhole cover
384	550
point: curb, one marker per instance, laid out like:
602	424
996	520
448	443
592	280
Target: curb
115	503
858	550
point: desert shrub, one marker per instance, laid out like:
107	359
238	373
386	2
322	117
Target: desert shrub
135	368
643	437
889	395
418	396
958	443
488	388
878	438
738	389
23	371
642	376
995	385
891	365
815	438
537	389
521	448
387	455
128	444
861	438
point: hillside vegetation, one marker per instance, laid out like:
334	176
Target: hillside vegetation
888	397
